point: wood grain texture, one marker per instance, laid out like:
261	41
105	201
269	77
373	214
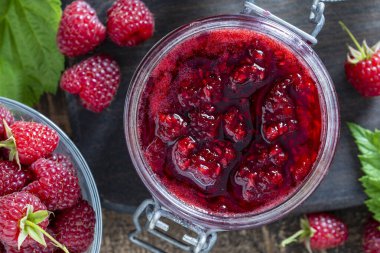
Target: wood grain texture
265	239
101	137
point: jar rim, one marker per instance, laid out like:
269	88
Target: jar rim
329	110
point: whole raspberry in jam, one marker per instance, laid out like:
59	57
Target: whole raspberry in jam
279	111
170	126
198	86
204	125
235	125
260	175
203	163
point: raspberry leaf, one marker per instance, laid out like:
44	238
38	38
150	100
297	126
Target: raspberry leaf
27	230
368	143
30	62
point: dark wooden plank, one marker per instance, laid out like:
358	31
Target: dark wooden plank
101	137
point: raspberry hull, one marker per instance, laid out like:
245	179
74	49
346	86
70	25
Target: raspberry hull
230	121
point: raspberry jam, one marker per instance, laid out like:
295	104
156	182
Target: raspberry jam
230	121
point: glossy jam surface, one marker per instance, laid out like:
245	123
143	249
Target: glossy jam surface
230	121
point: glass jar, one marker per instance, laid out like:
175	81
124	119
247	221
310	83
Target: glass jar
329	110
68	148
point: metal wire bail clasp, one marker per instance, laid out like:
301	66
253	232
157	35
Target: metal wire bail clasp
201	239
316	17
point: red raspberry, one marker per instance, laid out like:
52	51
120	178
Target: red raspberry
279	111
371	239
13	208
64	160
320	231
6	115
80	30
170	126
96	79
35	247
129	22
235	125
198	86
260	175
29	141
56	185
203	125
75	227
204	163
363	67
12	178
70	82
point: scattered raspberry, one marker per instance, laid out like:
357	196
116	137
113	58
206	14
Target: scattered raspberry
363	67
129	22
12	178
6	115
170	126
56	185
75	227
31	141
13	208
320	231
80	30
96	79
371	239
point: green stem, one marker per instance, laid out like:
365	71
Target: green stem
292	238
345	28
55	242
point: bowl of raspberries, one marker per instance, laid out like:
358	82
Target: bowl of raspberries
49	202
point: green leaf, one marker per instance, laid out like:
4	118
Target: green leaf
39	216
30	62
369	147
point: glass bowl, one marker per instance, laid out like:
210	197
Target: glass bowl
329	111
66	147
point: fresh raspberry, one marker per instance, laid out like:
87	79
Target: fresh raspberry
57	186
279	111
96	79
371	239
203	125
70	82
35	247
6	115
13	208
170	126
98	92
12	178
64	160
80	30
129	22
320	231
260	175
75	227
203	163
363	67
29	141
